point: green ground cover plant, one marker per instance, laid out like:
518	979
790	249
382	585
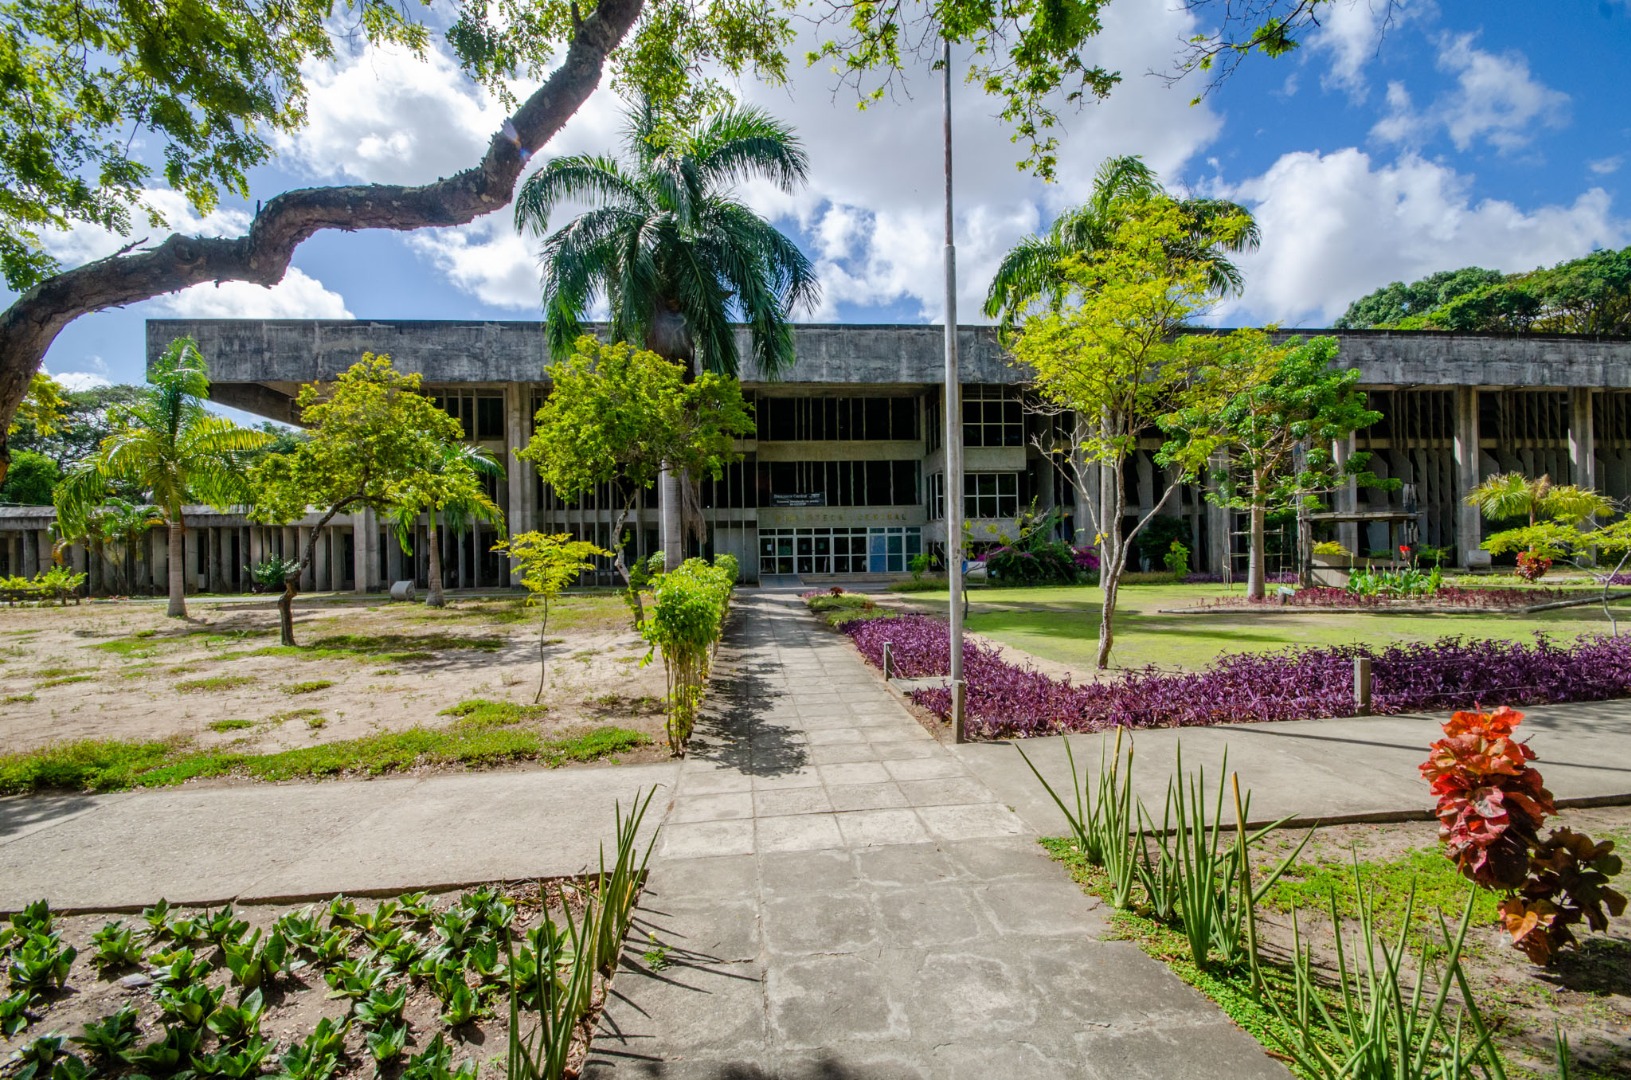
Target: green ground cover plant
111	765
420	980
224	726
213	682
309	686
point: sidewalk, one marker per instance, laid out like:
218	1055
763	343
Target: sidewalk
1354	769
837	896
287	842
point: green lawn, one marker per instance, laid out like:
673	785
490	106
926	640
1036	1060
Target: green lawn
1062	624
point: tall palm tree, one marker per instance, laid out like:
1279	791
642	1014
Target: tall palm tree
676	257
1033	271
167	445
460	501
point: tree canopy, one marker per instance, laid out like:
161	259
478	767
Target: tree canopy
373	439
100	94
1588	295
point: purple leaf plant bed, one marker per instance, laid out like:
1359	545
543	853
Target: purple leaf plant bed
1448	597
1007	700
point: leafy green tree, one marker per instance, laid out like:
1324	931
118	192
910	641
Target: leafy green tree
118	524
1033	272
618	415
1277	411
97	92
549	563
1392	304
168	446
373	436
42	407
1110	351
451	487
1554	515
676	255
31	481
87	418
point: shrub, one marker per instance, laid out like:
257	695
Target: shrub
1532	567
1491	805
1331	547
1005	700
55	583
685	623
268	575
1177	559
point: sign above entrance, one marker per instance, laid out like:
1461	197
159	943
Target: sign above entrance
805	498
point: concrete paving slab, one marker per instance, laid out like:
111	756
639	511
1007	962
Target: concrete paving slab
262	841
1351	769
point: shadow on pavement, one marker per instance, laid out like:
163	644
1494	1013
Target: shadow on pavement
23	813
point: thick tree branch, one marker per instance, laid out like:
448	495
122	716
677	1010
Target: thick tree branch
34	320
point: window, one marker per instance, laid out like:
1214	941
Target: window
991	495
878	419
937	496
734	488
992	416
877	550
838	483
480	413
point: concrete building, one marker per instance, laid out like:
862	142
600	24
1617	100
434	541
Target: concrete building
845	474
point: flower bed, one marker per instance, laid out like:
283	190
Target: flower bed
1447	596
1006	700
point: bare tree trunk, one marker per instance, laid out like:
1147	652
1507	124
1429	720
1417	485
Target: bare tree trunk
178	569
1256	577
672	519
291	580
434	568
1111	563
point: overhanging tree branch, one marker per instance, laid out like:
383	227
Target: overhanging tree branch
262	256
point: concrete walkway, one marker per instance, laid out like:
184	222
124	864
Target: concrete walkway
288	842
836	895
1352	769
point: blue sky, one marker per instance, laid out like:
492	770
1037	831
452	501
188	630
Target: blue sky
1460	134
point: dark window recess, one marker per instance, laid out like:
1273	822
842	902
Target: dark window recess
840	483
836	419
490	418
480	415
733	489
992	416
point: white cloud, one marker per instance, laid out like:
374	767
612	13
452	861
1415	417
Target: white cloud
1606	166
871	212
82	242
386	116
1495	100
297	296
83	380
1350	37
1337	226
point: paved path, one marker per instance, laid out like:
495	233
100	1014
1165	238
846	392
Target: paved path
285	842
841	897
1352	769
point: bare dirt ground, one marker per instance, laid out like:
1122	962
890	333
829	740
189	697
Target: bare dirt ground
1586	990
122	670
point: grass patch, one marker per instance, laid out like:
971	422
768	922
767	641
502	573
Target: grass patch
310	686
55	671
63	680
476	713
316	723
224	726
108	765
136	646
387	648
294	714
213	683
18	699
835	611
1439	888
927	584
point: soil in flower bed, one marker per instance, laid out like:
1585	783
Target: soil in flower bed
1587	991
1008	700
296	1002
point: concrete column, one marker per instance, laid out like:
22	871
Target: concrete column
1467	523
211	539
365	549
516	397
31	553
1217	521
393	560
257	546
1175	505
308	577
319	562
1346	498
189	551
1582	439
158	563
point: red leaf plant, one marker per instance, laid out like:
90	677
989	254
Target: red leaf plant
1491	805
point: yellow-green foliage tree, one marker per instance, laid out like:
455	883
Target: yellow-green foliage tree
1110	352
166	445
1554	513
373	439
549	562
450	487
619	415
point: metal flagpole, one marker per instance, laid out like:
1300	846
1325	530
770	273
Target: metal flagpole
954	432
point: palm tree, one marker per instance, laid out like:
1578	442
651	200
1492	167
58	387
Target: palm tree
168	446
676	257
1510	495
460	500
1034	270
